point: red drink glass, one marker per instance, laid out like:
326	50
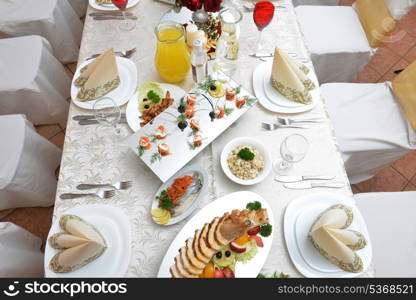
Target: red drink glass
262	16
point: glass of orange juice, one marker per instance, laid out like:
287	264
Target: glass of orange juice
172	58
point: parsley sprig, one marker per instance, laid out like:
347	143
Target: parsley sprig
256	205
152	96
246	154
165	201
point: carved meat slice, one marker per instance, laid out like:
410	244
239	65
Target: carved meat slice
174	272
218	236
186	264
205	249
192	256
212	243
181	269
197	249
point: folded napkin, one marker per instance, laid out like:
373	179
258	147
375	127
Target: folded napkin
80	244
101	2
330	236
98	77
289	78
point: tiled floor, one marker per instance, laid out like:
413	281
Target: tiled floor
400	176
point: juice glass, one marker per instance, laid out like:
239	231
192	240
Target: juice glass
172	58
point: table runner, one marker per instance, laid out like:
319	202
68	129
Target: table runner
91	154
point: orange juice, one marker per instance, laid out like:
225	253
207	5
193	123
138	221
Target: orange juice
172	59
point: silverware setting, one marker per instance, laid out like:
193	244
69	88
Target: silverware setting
90	117
125	54
272	127
93	122
100	18
265	56
116	13
100	194
250	6
120	185
294	178
308	185
288	121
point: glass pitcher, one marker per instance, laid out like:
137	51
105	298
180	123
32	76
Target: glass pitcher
228	45
172	58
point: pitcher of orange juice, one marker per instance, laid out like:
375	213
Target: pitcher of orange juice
172	59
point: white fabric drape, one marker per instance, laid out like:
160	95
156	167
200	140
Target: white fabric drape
54	20
28	162
79	6
19	252
399	8
369	125
315	2
390	218
36	83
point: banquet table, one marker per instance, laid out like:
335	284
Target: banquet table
92	155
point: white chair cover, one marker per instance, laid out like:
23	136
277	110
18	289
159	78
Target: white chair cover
391	222
79	6
53	19
19	252
336	41
36	83
369	125
315	2
399	8
28	163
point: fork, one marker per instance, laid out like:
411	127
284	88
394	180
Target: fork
125	54
271	127
120	185
100	194
288	121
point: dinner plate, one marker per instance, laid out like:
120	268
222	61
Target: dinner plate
132	112
217	208
300	214
189	207
114	225
277	104
111	7
245	141
128	82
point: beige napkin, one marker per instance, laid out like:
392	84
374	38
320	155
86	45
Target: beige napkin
99	77
289	78
80	244
330	236
101	2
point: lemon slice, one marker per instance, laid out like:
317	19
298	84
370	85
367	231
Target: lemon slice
159	212
163	220
142	94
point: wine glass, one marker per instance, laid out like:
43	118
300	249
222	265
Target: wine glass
263	15
293	150
107	112
126	24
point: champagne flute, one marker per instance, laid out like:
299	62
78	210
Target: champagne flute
292	150
126	24
107	112
263	15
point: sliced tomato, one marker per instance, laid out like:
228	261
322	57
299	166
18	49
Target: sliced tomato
254	231
258	240
219	273
228	273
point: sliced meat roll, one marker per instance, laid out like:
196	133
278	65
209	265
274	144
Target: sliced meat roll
181	269
192	256
174	272
186	263
205	249
197	248
212	243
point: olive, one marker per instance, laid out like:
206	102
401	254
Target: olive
145	99
181	108
212	115
147	106
182	125
213	88
218	255
227	253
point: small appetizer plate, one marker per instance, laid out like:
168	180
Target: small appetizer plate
227	203
111	7
132	111
190	201
128	80
245	141
114	226
300	214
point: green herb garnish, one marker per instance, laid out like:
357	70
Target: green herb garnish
266	230
256	205
246	154
205	86
152	96
164	201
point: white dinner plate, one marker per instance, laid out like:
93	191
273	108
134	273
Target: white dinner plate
299	217
128	83
279	104
245	141
217	208
203	176
114	225
132	112
111	7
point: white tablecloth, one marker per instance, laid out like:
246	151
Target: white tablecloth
36	83
315	2
55	20
90	153
28	162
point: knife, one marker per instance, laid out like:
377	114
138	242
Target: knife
309	185
287	179
114	18
110	14
92	122
89	117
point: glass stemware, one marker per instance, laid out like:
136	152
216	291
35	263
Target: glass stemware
262	16
107	112
292	150
126	24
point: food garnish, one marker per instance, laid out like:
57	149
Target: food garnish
149	114
256	205
246	154
165	201
152	96
266	230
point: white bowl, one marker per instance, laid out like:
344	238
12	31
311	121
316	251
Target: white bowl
245	141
